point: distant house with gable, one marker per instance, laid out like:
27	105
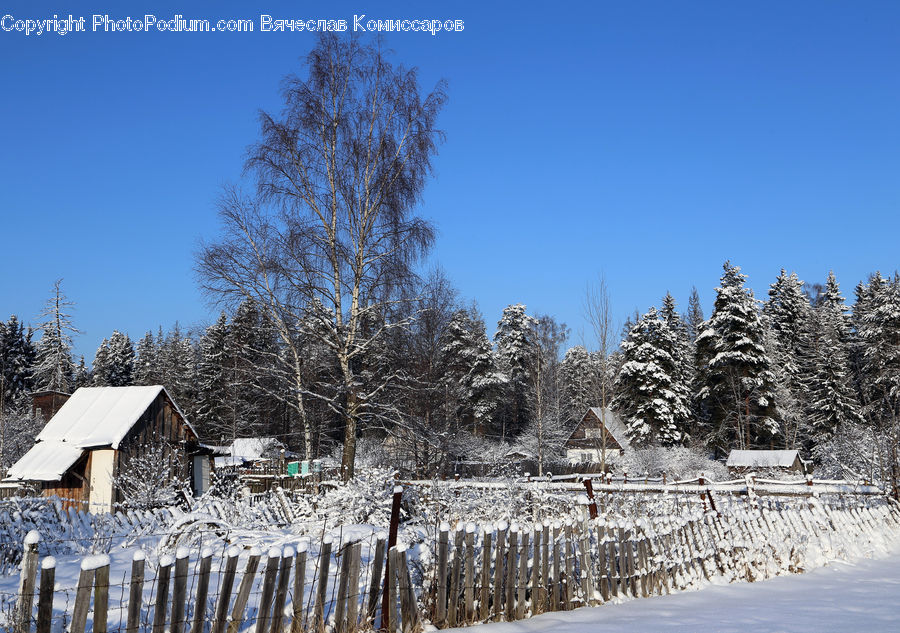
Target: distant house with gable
773	463
598	430
94	432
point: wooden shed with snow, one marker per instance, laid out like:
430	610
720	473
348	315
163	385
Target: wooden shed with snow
599	430
89	441
772	463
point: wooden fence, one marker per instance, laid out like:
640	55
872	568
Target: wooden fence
459	576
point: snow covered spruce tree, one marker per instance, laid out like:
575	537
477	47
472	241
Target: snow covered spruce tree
694	318
54	367
737	397
834	411
146	362
789	318
113	364
879	335
651	395
470	371
17	427
17	356
332	230
516	349
215	377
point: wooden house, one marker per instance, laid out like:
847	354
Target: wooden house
598	430
766	463
82	449
45	404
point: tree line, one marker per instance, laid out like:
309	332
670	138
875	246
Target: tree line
800	370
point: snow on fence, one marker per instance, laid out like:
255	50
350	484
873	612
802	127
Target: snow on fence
456	576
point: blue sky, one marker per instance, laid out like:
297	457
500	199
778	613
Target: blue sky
648	141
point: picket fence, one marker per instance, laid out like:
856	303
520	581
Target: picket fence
472	575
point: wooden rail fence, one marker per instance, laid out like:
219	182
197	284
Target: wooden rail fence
472	574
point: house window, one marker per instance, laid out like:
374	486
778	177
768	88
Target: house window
593	433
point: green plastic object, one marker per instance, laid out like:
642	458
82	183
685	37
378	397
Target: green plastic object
304	467
293	468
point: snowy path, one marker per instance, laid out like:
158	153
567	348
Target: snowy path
842	597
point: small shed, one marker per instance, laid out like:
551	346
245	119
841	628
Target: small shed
81	450
598	429
742	462
249	451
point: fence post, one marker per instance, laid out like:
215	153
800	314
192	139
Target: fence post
536	603
522	583
179	590
45	599
243	594
375	580
322	588
135	592
511	572
556	589
592	505
199	620
407	597
353	584
455	573
284	579
440	608
485	593
162	593
270	576
299	583
26	582
82	596
101	597
498	570
227	584
469	583
392	541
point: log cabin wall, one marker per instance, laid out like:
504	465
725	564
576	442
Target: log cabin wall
160	423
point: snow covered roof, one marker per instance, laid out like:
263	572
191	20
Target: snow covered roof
46	461
101	416
613	424
762	459
251	448
92	417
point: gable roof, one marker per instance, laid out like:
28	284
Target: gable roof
613	424
102	416
762	459
46	461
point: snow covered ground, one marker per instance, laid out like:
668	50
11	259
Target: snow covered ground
841	597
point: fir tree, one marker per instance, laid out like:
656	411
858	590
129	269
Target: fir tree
54	368
114	362
832	400
737	395
649	394
215	380
146	362
694	317
516	348
789	317
17	355
469	370
82	374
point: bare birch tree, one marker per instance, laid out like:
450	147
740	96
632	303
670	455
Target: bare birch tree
598	312
331	236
